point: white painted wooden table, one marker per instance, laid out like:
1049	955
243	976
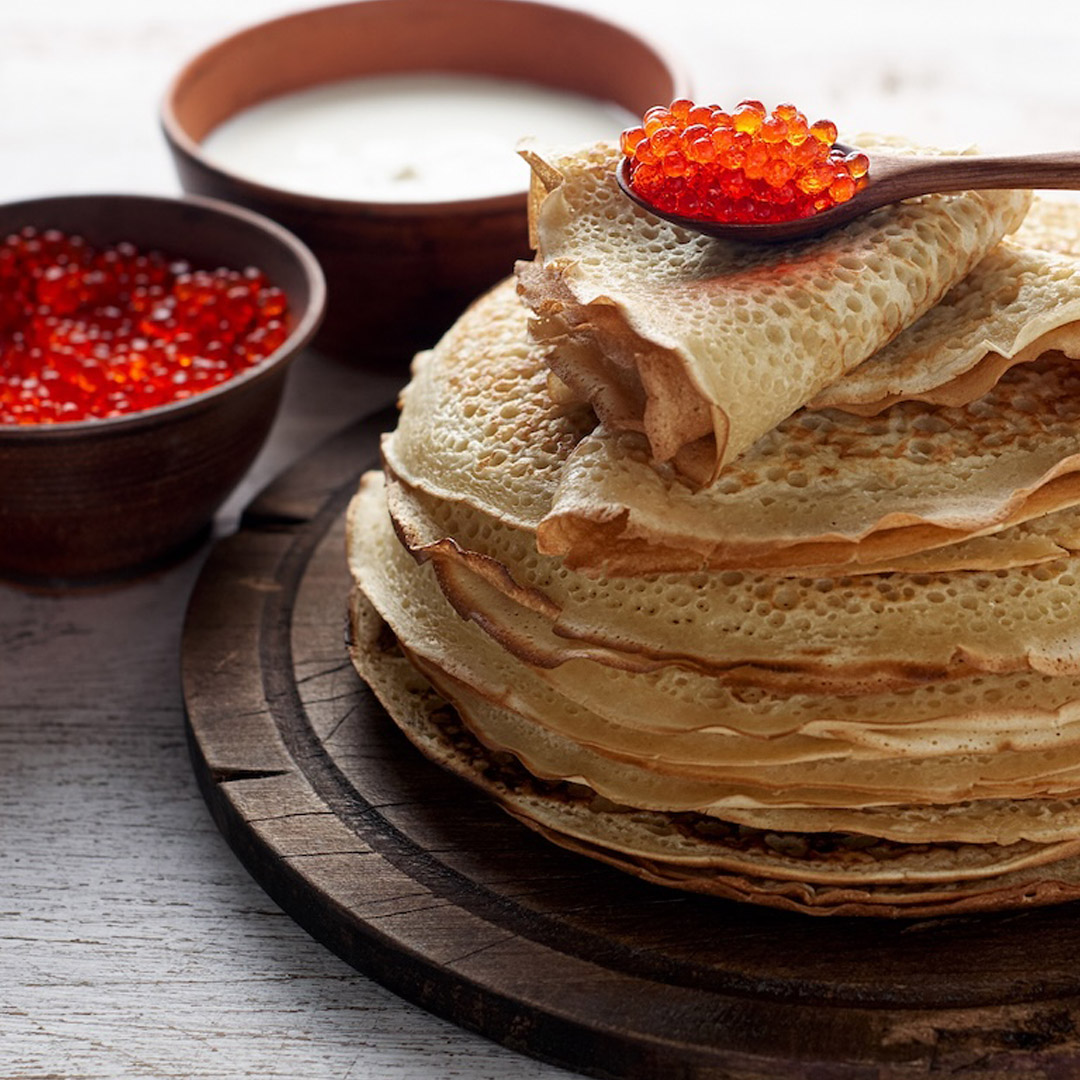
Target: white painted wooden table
132	943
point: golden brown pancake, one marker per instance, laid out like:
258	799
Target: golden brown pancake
955	753
682	337
826	492
807	872
845	677
1021	301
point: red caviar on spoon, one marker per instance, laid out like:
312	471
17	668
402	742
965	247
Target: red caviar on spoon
758	177
747	166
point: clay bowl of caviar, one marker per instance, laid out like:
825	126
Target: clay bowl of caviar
144	344
384	134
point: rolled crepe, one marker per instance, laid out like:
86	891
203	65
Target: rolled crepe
691	340
990	486
1021	301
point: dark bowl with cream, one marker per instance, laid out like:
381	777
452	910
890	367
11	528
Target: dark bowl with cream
400	270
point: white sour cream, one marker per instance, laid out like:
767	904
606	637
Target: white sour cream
413	137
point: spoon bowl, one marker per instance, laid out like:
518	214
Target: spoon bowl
891	178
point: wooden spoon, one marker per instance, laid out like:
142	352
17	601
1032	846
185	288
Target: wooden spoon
892	177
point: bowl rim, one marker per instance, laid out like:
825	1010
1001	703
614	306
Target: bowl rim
302	332
180	141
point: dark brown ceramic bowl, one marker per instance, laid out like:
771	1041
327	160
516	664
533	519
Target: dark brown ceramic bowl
97	498
399	274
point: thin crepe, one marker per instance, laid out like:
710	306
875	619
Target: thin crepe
509	706
684	338
1021	301
857	881
827	490
848	634
930	717
826	493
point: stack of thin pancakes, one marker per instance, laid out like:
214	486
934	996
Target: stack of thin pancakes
752	571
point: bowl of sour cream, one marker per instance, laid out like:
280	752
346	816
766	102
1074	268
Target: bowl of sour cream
383	133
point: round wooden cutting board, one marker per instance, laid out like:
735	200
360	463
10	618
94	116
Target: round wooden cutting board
421	883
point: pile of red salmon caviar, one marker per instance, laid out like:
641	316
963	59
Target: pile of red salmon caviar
744	166
93	333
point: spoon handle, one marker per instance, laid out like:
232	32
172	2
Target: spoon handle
900	178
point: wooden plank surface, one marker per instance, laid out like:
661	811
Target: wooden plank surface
132	942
